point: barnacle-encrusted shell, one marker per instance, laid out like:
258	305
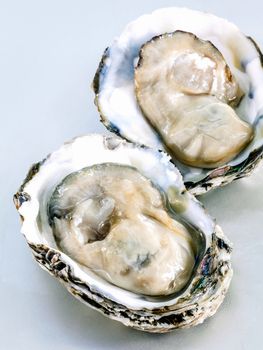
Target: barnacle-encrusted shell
114	87
211	274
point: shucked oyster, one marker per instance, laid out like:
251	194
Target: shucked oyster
184	88
192	84
119	230
111	219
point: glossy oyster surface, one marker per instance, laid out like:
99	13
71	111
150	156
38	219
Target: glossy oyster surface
120	231
184	88
190	83
111	219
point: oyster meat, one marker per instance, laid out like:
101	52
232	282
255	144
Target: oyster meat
183	87
120	231
189	83
111	219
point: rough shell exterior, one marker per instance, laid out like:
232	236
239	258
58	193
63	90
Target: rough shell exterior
209	292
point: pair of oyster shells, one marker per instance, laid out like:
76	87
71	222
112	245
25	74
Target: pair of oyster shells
113	220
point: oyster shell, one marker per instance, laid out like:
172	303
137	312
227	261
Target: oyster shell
73	215
151	79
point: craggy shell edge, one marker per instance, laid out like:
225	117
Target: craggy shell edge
186	317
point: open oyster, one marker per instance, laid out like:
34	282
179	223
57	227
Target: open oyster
120	231
190	83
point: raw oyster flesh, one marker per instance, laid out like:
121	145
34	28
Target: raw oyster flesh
184	88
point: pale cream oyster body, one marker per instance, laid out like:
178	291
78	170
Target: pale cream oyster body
112	220
186	90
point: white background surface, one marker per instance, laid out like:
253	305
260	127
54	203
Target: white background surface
49	51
